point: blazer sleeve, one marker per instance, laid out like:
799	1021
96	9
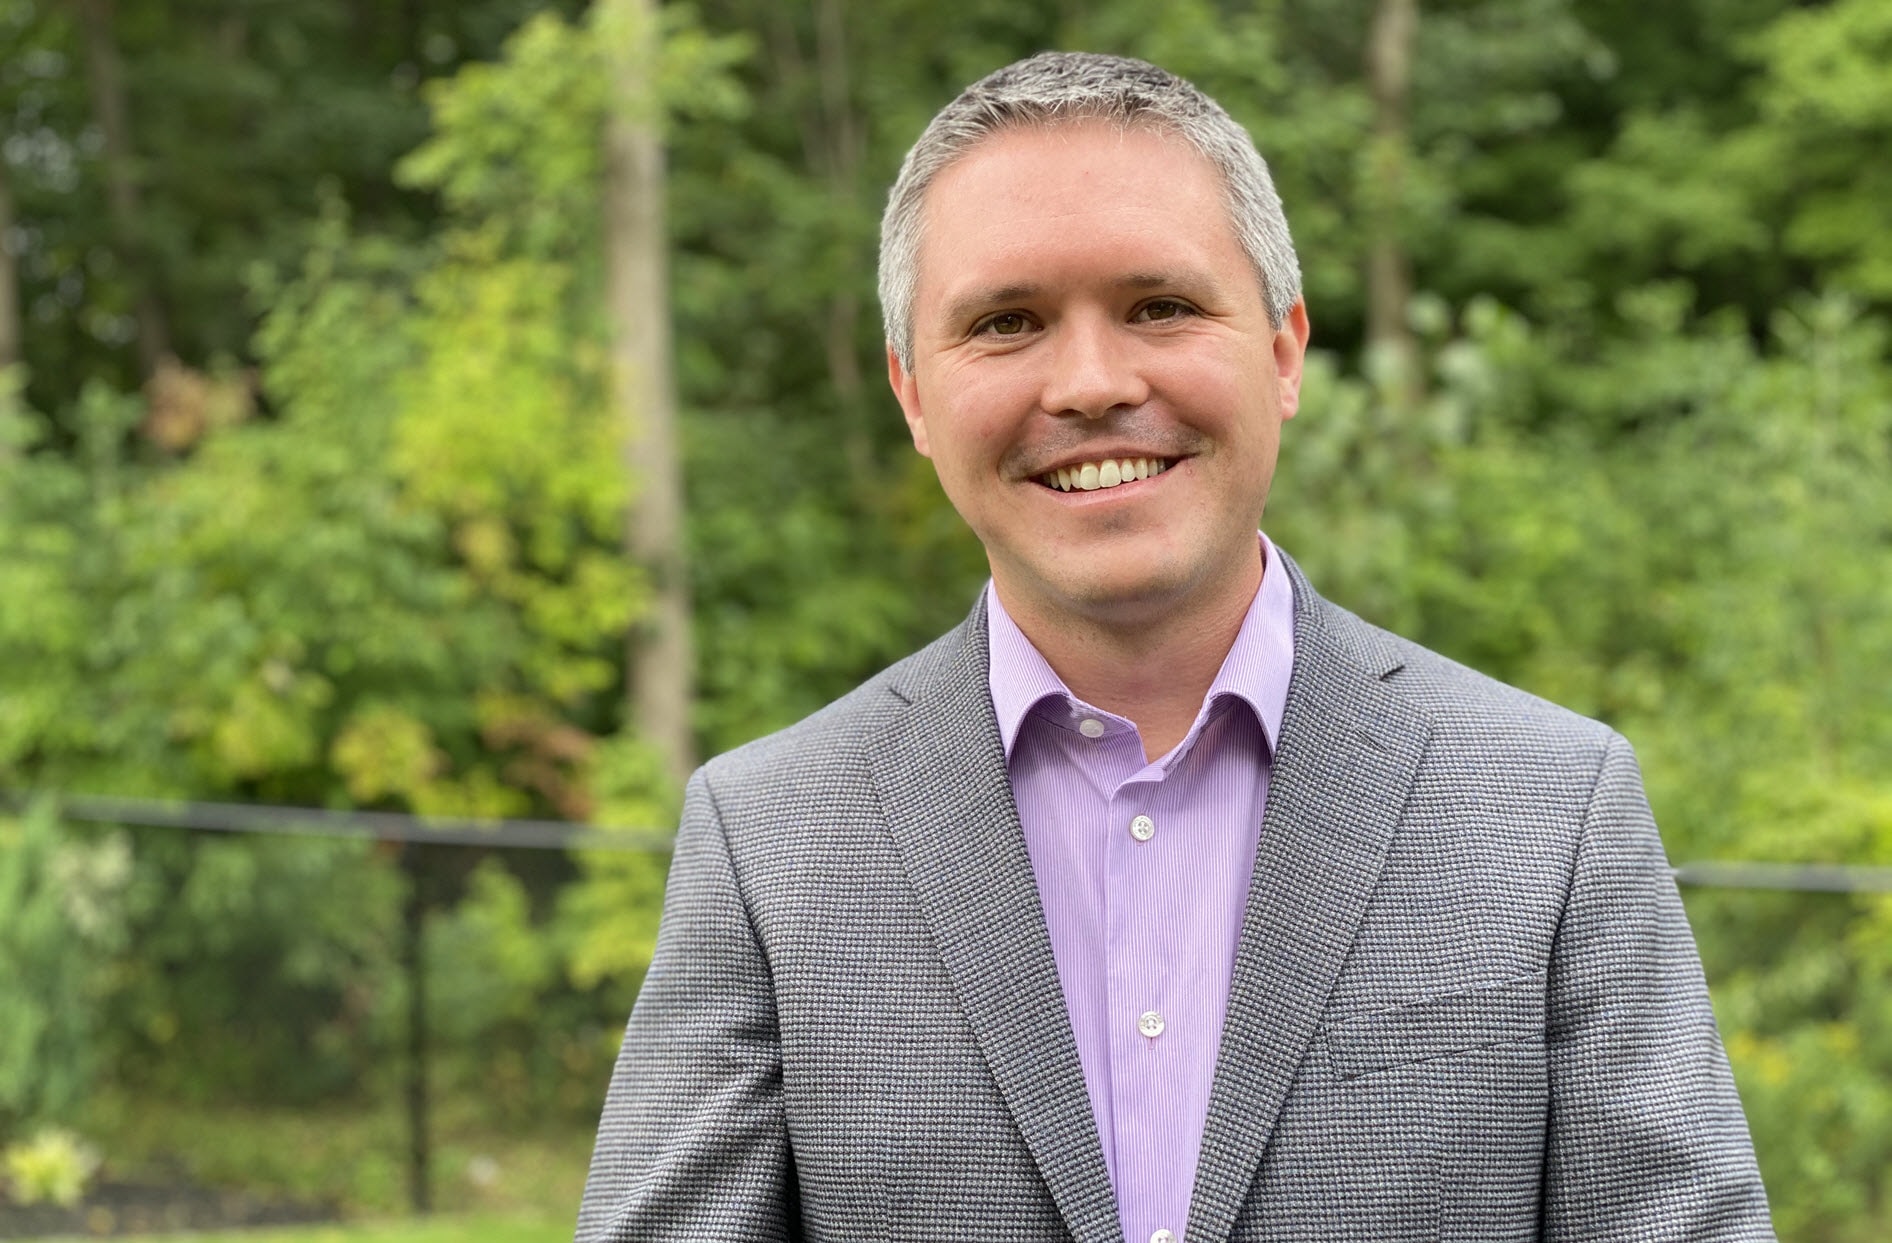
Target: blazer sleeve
693	1143
1646	1138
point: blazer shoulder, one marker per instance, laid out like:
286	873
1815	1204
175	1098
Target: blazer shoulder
834	737
1459	699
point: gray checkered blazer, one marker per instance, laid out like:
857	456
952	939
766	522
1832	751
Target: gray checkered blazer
1466	1004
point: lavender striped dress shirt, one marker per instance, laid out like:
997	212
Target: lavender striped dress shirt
1143	871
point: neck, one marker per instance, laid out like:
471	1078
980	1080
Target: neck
1155	673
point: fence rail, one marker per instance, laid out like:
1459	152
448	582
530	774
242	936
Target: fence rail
387	826
562	835
1805	877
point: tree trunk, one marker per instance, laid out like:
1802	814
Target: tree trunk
107	79
1389	266
841	131
11	349
638	293
831	138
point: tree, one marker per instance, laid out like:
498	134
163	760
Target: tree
10	351
1389	269
661	660
121	179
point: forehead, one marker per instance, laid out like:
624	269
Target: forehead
1072	201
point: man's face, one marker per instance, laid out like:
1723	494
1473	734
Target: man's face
1082	300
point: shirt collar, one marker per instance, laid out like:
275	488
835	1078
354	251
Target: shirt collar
1256	669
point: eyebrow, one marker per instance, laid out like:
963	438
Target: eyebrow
971	305
979	301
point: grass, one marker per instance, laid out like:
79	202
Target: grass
494	1229
352	1156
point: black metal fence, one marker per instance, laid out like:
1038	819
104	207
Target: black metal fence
409	830
562	835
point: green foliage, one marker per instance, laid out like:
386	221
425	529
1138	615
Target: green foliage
54	1165
60	898
492	155
1825	102
376	562
519	1016
234	935
617	909
1815	1088
242	119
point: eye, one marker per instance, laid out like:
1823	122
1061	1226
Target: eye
1159	309
1005	324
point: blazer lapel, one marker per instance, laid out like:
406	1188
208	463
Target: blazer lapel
1348	752
942	779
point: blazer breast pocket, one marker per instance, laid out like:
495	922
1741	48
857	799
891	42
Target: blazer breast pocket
1438	1026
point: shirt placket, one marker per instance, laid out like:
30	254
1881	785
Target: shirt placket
1148	1045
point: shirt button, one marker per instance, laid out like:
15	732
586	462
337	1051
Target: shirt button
1150	1024
1143	828
1091	727
1163	1236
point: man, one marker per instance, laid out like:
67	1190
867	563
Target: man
1161	900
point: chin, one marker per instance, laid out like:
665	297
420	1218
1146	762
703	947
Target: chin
1129	598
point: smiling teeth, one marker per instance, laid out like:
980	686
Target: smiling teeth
1090	476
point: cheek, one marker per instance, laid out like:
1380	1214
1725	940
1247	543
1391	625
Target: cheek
967	428
1252	395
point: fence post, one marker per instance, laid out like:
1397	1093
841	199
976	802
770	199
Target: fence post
413	933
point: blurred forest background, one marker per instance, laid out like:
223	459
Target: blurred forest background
330	476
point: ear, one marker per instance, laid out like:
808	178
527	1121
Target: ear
1290	354
906	391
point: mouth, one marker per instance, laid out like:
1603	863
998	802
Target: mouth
1103	473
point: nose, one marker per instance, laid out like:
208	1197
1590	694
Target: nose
1091	369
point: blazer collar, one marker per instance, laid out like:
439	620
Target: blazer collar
940	771
1350	748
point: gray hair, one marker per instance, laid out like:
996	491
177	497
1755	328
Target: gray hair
1057	87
